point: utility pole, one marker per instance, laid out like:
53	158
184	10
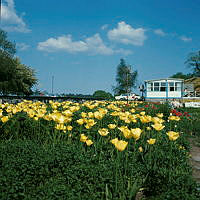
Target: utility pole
52	82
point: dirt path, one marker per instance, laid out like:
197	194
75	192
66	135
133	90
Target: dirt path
195	160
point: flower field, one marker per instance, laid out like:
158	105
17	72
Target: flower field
94	150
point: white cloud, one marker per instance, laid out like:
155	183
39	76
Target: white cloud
159	32
95	44
126	34
22	46
10	21
63	43
92	45
105	26
185	39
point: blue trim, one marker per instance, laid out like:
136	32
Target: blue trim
167	89
182	92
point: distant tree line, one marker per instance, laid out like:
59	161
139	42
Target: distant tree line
192	62
15	77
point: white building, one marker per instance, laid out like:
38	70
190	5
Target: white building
166	88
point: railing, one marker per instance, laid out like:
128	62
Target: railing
192	94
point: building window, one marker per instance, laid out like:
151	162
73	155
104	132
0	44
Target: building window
163	87
175	86
156	86
149	86
171	86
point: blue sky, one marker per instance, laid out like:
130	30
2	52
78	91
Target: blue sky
80	43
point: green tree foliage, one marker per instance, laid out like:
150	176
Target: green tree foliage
6	47
181	75
125	78
15	78
103	94
193	62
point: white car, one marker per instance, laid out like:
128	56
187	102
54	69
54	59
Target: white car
130	97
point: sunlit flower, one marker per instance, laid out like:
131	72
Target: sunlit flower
98	115
89	142
157	120
83	138
4	119
112	126
172	135
158	126
119	144
148	128
80	121
136	132
103	131
151	141
60	127
69	128
140	149
160	115
114	141
145	119
175	118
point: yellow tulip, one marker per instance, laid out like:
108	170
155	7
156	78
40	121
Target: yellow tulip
4	119
121	145
98	115
158	126
80	121
148	128
145	119
140	149
114	141
157	120
160	115
103	131
112	126
142	113
69	128
60	127
126	132
89	142
83	138
175	118
172	135
151	141
83	115
136	132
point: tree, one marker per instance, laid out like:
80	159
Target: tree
125	78
193	62
15	78
103	94
6	46
181	75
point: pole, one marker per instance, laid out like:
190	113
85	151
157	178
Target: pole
52	82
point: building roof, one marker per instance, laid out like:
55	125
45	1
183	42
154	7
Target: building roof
175	79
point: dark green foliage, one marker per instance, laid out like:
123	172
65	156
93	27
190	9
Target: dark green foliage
125	78
182	76
193	62
31	171
15	78
103	94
